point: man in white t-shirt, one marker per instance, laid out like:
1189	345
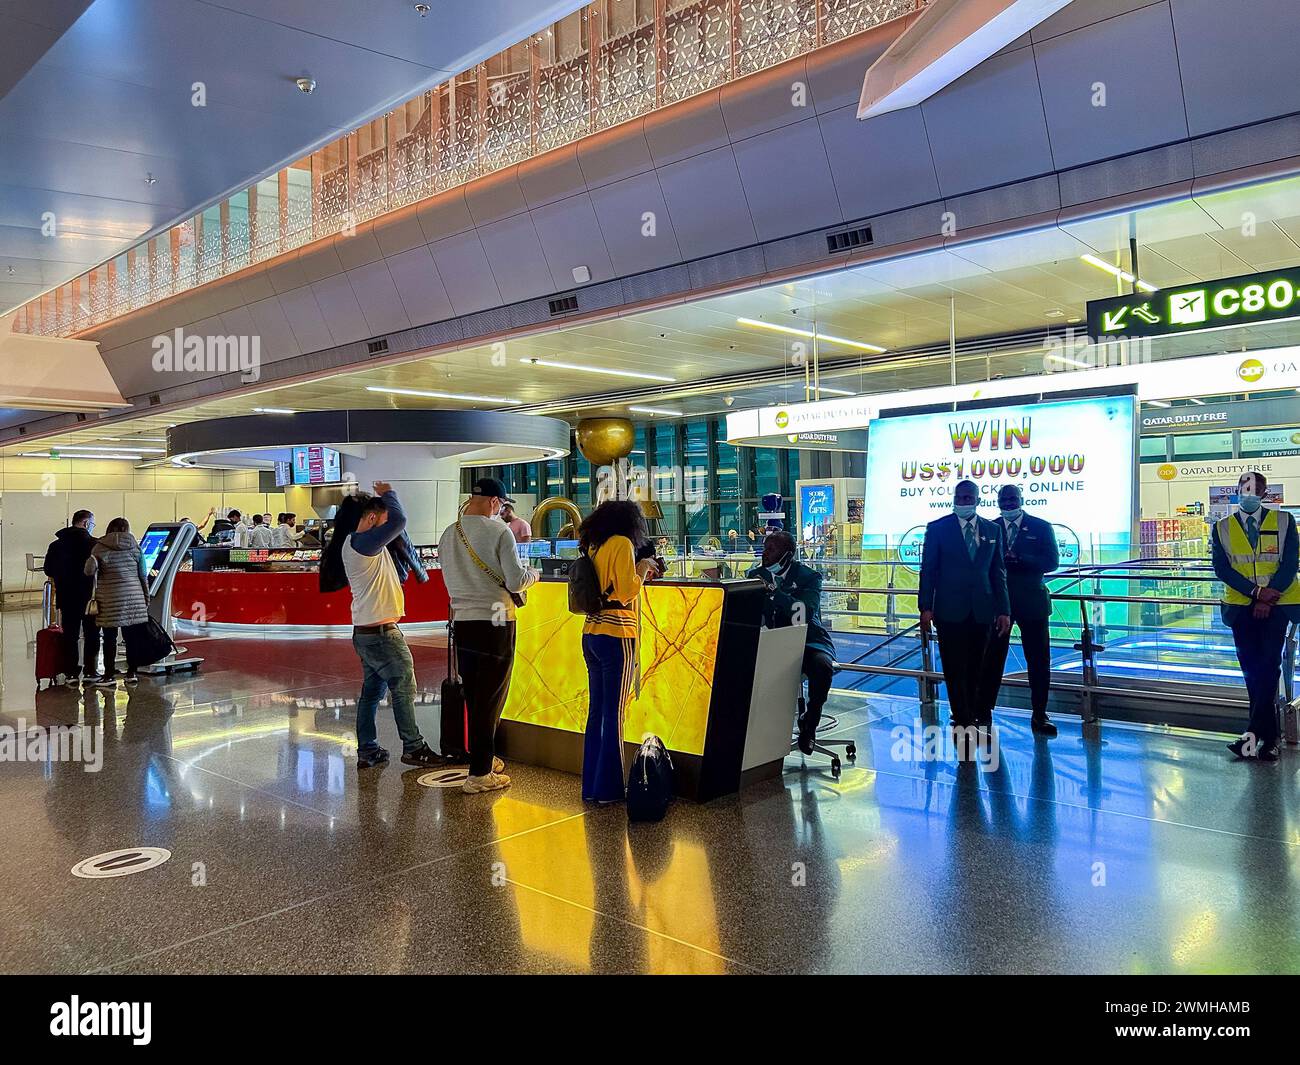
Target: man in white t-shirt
483	617
240	534
283	535
260	535
377	606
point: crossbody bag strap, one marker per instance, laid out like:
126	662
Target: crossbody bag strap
500	580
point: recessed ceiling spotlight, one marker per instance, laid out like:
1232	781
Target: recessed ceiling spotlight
149	179
306	85
422	10
1055	312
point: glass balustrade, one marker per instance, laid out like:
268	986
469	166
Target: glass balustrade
607	62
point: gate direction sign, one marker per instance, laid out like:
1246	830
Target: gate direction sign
1231	301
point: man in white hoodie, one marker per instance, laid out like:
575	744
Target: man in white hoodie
483	573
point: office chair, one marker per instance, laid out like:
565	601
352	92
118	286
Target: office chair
826	724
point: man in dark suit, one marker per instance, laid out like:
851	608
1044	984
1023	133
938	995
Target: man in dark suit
964	594
1030	553
794	597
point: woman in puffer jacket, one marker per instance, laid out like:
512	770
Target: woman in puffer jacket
117	565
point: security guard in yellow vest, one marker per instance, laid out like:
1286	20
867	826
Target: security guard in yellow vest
1256	553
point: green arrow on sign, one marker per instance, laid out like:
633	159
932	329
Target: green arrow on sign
1113	320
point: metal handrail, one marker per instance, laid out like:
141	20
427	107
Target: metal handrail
1065	596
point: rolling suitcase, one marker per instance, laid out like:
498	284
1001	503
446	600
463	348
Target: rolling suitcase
49	641
453	734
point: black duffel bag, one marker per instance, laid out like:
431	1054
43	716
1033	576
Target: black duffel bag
152	644
650	784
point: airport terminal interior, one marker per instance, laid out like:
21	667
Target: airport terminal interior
785	277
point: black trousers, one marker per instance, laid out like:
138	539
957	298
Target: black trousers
72	616
1259	650
131	635
818	667
1035	640
485	655
961	648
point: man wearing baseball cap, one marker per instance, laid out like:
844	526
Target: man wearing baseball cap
484	576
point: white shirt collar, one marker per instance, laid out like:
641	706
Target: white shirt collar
1016	520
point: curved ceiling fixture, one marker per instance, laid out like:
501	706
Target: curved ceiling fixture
473	438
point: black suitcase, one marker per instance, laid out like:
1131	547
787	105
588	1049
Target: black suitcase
453	735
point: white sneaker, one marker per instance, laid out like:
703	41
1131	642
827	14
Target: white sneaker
487	782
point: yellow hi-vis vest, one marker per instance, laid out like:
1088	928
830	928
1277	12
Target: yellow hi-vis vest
1257	564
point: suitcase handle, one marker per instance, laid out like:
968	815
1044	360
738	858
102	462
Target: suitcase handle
47	605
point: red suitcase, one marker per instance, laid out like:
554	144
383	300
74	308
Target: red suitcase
49	655
49	642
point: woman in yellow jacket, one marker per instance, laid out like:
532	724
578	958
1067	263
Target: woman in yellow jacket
611	536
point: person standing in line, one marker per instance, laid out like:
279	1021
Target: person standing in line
260	535
611	536
521	530
1030	554
377	606
963	594
1256	553
486	581
65	565
122	592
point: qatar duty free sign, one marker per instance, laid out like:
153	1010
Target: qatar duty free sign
1230	301
1073	460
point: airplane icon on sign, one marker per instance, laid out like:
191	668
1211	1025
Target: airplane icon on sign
1187	308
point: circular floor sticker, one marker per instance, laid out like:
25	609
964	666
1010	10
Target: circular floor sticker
444	778
120	863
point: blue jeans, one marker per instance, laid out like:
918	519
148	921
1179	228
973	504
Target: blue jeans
610	664
386	663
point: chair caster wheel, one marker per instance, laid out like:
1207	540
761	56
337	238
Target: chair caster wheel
851	750
835	767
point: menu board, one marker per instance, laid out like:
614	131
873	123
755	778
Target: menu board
316	465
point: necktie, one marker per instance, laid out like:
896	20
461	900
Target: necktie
1011	533
970	540
1252	533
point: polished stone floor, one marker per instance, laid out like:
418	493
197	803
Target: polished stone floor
1131	851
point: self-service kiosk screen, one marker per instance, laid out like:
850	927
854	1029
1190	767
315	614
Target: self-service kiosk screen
154	546
151	547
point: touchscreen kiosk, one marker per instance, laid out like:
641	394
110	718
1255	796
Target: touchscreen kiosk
164	546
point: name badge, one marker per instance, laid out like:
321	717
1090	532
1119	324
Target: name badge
1267	544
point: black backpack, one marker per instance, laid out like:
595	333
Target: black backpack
585	596
650	786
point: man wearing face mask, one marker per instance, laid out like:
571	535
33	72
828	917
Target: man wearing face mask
1031	553
795	598
1256	553
963	594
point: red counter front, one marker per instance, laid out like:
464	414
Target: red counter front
240	597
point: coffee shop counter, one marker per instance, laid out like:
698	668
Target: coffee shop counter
279	589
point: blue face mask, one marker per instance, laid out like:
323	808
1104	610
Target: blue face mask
964	512
1249	502
1011	513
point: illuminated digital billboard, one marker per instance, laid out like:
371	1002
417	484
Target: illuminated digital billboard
1072	459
